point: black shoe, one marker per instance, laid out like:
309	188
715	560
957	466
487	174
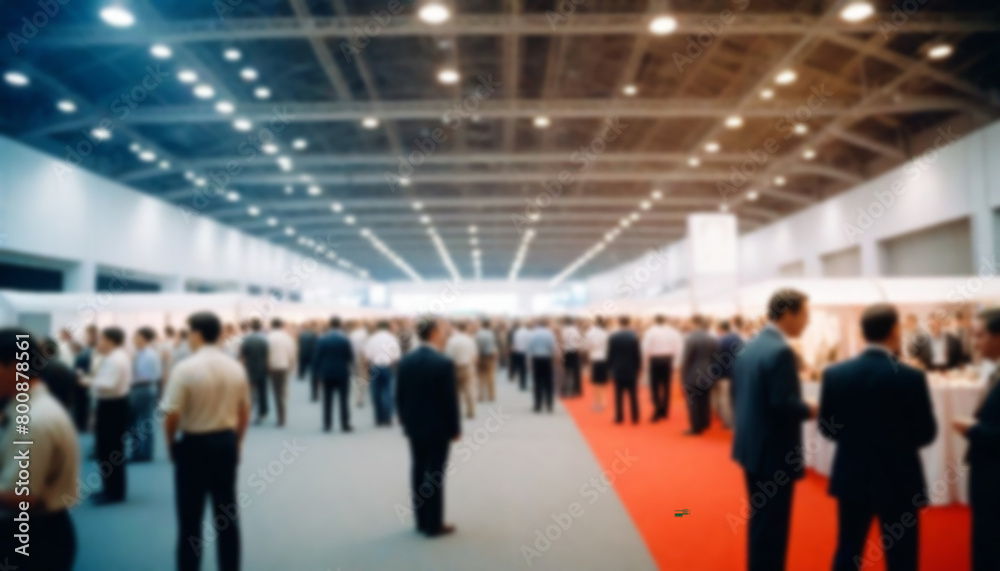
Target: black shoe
326	429
445	529
619	421
347	429
656	418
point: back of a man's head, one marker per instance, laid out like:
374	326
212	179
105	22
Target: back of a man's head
207	325
784	301
878	322
426	326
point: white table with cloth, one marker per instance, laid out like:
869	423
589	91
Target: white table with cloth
953	395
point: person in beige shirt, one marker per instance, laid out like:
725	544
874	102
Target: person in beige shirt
208	402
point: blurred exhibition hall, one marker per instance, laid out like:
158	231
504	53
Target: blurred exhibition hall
451	285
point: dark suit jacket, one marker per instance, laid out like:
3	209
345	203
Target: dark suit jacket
624	355
700	349
307	345
769	407
984	437
427	396
333	357
729	347
921	349
879	412
61	381
253	351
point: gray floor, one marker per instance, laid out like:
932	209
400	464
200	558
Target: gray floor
342	503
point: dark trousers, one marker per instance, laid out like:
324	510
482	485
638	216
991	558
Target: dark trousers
342	389
205	466
660	371
541	371
519	367
427	482
767	530
381	387
314	383
984	499
81	408
112	424
53	542
899	541
623	387
699	402
571	366
259	388
143	432
279	382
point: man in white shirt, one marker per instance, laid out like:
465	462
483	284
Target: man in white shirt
208	402
660	346
281	355
461	348
111	385
146	379
519	353
571	342
382	352
543	352
55	465
359	336
596	343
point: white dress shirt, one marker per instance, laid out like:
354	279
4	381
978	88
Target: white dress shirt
462	349
114	375
571	338
662	341
382	349
281	350
358	339
597	343
208	389
54	454
939	350
521	338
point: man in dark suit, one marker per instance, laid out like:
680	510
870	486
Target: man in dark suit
253	354
698	374
331	367
625	364
427	401
307	349
879	412
938	350
769	416
983	456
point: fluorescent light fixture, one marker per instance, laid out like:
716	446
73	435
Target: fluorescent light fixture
100	133
434	13
857	11
262	92
734	122
147	156
369	122
16	78
117	16
187	76
204	91
66	106
940	51
299	144
242	124
542	122
225	107
448	76
663	25
248	74
785	77
232	54
161	51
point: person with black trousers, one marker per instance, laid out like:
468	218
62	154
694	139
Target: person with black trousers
698	374
571	342
879	413
307	345
938	350
661	345
207	401
427	401
112	384
83	365
253	355
983	457
625	364
769	416
331	366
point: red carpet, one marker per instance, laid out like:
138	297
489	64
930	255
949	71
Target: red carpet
674	472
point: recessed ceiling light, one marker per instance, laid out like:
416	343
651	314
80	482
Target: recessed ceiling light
135	147
662	25
66	106
434	13
779	181
299	144
625	222
289	189
542	122
101	134
306	177
164	165
314	190
723	207
405	181
766	93
232	196
785	77
808	154
694	161
448	76
285	163
752	195
474	241
200	181
232	54
857	11
645	204
425	219
117	16
801	129
16	78
253	211
269	148
473	229
187	76
369	122
336	207
262	92
630	90
289	231
161	51
734	122
634	216
656	194
940	51
242	124
272	221
418	205
204	91
350	220
225	107
712	147
248	74
189	175
147	156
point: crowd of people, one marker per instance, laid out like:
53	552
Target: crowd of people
212	380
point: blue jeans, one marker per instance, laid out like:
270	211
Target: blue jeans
143	430
381	387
